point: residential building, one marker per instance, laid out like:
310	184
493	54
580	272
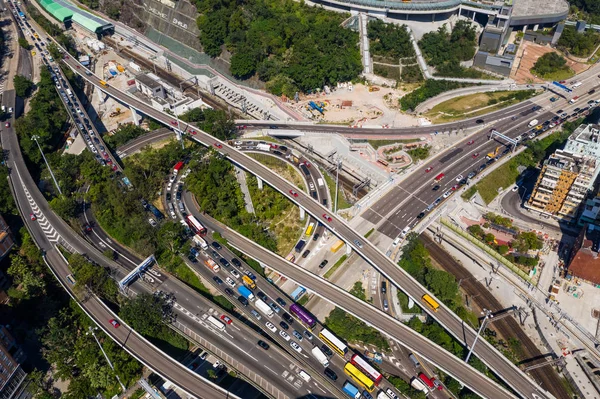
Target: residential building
568	176
12	376
6	238
584	263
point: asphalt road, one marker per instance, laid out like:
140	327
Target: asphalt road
453	366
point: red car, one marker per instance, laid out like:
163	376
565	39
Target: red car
429	169
7	124
226	319
32	217
77	66
295	194
455	187
174	123
327	217
475	155
274	146
114	323
194	132
307	164
470	142
218	145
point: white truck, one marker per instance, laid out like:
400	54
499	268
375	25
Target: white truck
263	307
69	92
216	323
320	182
199	241
320	356
263	147
418	385
533	123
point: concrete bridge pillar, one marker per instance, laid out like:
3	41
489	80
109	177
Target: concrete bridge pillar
102	96
348	249
260	183
134	115
535	27
302	213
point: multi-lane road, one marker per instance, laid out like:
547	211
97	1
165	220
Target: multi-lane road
475	380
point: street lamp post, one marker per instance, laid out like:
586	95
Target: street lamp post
488	314
35	138
106	357
337	177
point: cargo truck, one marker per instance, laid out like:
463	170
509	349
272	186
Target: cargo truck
199	241
418	385
300	245
320	356
263	147
248	282
212	265
533	123
351	390
246	293
264	308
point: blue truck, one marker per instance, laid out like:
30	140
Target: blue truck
351	390
298	292
246	293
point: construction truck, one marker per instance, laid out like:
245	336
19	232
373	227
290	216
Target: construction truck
116	113
212	265
373	88
493	154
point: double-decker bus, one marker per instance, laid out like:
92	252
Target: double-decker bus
333	342
195	225
430	302
366	368
303	316
359	377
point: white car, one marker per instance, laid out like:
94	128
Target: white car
230	281
271	327
515	188
296	347
238	143
169	185
284	335
312	186
234	273
447	194
172	178
152	222
459	177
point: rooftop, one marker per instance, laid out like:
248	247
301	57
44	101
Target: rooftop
541	8
586	263
586	134
148	81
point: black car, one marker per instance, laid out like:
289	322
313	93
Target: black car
288	318
313	194
243	300
323	264
326	350
421	215
305	253
236	262
325	202
218	280
262	296
436	187
330	373
177	194
192	259
224	262
316	237
284	325
479	121
216	245
229	292
168	196
281	302
263	344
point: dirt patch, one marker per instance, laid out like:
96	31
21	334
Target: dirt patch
529	54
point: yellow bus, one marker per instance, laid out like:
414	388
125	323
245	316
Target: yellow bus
430	302
336	247
248	282
310	229
103	83
359	377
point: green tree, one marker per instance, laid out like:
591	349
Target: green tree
66	207
54	50
359	291
24	43
23	86
28	278
243	64
549	63
147	313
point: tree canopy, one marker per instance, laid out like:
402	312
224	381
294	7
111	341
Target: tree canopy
549	63
579	44
23	86
445	50
389	40
280	40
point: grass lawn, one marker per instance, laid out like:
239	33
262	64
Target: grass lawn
379	143
342	203
336	266
562	74
502	177
474	105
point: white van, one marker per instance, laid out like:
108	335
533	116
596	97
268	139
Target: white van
405	231
397	241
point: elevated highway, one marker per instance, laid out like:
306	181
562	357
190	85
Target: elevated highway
514	377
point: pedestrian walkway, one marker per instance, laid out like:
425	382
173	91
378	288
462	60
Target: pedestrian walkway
240	175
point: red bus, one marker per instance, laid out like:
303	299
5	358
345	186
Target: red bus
439	177
366	368
426	380
195	225
177	167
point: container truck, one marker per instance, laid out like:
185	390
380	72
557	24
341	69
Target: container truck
533	123
320	356
212	265
263	147
246	293
351	390
264	308
418	385
216	323
300	245
199	241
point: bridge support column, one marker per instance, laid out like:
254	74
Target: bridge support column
535	27
102	96
260	183
348	249
134	115
302	213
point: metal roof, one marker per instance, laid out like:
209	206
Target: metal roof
63	10
56	10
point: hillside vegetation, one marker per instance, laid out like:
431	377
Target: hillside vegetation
287	44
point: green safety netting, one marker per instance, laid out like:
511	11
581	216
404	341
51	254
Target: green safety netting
59	12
